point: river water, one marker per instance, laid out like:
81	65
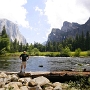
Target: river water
36	63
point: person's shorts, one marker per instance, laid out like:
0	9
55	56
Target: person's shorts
23	63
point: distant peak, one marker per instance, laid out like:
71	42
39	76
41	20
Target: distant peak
66	23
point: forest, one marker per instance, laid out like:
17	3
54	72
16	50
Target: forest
80	42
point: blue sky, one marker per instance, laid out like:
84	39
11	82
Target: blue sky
36	18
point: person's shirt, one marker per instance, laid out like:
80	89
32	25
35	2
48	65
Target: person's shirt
24	57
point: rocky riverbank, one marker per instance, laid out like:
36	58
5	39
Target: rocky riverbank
14	82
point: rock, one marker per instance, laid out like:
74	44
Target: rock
49	88
41	80
12	86
9	78
57	84
2	88
13	82
40	65
4	80
48	85
24	79
14	78
21	79
1	79
2	84
32	83
19	84
64	86
39	87
34	88
24	88
27	79
3	75
57	88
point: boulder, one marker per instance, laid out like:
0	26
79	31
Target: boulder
24	88
34	88
24	79
49	88
12	86
41	80
2	88
57	84
57	88
64	86
2	84
19	84
14	78
3	75
32	83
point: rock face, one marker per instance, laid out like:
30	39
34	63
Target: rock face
68	30
12	30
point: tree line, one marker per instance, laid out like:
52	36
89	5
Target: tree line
80	41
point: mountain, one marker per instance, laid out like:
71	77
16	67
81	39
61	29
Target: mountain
68	30
12	31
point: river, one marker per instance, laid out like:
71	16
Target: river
36	63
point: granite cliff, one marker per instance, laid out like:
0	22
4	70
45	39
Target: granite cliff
12	30
68	30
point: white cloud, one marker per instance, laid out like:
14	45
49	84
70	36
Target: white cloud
14	10
85	3
38	9
58	11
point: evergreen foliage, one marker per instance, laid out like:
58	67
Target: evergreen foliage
80	42
4	42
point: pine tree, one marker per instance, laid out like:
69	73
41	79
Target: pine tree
4	41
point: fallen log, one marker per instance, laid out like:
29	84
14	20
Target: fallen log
61	76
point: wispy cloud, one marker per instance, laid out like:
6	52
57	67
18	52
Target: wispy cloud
14	10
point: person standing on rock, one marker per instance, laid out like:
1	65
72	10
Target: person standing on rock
24	57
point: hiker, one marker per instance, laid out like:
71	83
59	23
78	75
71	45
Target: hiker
24	57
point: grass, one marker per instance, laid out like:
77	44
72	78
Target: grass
84	53
51	54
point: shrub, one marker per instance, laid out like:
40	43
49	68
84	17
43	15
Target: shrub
35	51
3	51
65	52
88	53
77	52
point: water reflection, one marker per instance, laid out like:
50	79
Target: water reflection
4	64
47	63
